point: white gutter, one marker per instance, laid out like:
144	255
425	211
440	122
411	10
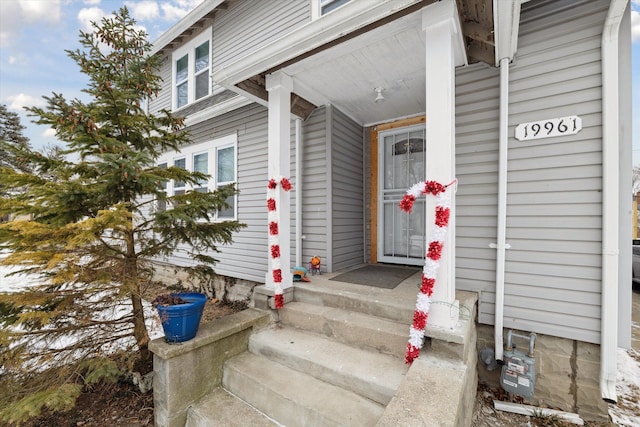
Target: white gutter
610	200
298	169
506	22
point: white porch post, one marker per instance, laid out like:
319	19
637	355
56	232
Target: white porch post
279	86
443	52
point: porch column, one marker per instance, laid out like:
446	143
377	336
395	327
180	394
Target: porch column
279	86
443	44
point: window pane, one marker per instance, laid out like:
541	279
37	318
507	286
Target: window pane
226	166
202	85
202	57
327	6
182	68
183	94
201	164
179	163
163	184
228	213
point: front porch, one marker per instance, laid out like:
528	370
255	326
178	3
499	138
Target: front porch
351	338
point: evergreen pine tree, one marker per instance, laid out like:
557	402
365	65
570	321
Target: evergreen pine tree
89	225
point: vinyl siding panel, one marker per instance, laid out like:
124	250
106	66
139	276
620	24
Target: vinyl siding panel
314	208
163	100
244	28
347	177
553	269
477	104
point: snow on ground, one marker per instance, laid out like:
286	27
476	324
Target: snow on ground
17	282
627	411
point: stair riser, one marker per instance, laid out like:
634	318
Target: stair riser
284	395
287	412
381	393
388	342
354	303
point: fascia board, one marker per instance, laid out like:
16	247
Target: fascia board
184	24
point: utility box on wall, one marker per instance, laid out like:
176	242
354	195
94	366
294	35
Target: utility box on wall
518	374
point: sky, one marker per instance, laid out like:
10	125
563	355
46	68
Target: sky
34	35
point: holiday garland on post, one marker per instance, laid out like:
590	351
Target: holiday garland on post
274	241
432	258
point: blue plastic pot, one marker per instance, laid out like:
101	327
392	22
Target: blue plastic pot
180	322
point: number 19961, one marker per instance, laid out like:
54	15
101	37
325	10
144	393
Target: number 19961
548	128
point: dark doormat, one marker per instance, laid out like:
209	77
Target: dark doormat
379	276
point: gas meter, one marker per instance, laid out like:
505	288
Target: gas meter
519	369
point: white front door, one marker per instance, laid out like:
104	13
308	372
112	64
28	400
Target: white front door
401	160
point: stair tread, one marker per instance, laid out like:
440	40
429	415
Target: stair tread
369	373
220	408
289	396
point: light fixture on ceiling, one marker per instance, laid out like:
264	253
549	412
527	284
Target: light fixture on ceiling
379	97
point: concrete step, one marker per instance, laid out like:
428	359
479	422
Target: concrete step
219	408
349	327
294	398
370	374
378	303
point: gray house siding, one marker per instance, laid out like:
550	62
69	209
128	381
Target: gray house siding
314	208
553	269
347	177
244	28
477	127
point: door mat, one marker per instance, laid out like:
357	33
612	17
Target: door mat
379	276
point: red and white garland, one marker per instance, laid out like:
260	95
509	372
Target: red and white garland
431	261
274	241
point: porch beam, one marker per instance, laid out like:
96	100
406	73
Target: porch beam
279	86
444	50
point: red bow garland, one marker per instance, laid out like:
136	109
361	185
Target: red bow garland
431	262
274	240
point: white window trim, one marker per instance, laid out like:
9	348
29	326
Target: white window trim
211	148
190	49
316	9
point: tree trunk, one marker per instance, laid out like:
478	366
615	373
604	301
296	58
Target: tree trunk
132	282
139	326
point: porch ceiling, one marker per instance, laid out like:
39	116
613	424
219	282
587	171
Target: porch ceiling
390	56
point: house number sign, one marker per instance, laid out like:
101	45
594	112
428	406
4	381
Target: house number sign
547	128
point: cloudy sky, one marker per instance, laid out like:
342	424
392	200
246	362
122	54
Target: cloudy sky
35	33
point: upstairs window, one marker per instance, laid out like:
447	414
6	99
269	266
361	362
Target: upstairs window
322	7
327	6
192	70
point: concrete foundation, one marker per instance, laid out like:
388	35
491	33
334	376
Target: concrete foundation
567	374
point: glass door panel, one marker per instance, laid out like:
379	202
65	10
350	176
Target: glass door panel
402	157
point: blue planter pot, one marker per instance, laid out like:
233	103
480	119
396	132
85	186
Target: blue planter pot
180	322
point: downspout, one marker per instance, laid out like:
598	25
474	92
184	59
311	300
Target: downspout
501	244
298	208
610	200
506	16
